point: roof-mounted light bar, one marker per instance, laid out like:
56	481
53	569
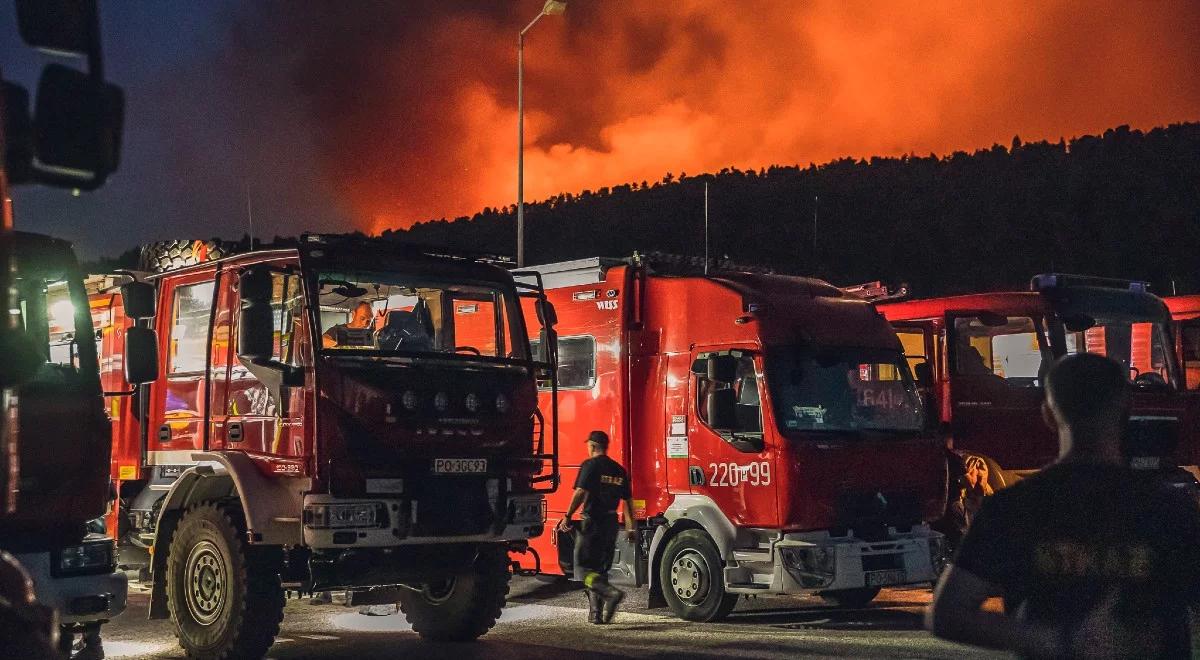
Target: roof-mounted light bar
876	291
1052	281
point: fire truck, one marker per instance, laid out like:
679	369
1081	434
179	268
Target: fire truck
54	438
981	360
1185	313
761	418
347	414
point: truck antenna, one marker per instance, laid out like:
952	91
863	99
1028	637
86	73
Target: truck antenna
250	216
706	228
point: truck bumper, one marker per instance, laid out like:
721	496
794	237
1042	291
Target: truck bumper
524	518
810	562
78	599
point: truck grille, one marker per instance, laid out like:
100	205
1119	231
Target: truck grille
452	506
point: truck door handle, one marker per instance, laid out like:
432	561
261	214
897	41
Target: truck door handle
696	476
235	432
164	433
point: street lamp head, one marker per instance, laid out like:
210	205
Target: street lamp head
554	7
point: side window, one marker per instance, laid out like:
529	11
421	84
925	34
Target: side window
190	312
287	303
576	362
1189	334
1003	347
747	402
1141	347
913	341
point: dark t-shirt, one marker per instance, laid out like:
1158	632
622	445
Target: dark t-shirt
1060	541
606	482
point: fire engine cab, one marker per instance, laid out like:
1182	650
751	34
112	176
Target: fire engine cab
346	414
982	359
773	434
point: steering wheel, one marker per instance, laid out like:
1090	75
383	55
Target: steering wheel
1150	380
468	349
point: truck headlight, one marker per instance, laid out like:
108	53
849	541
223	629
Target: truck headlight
812	566
527	511
88	558
336	516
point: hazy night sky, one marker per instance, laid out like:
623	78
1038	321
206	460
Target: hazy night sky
337	116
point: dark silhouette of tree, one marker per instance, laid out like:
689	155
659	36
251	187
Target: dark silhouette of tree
1122	204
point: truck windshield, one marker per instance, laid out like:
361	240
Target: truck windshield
842	390
380	314
1139	345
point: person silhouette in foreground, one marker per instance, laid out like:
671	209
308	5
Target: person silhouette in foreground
1091	560
601	486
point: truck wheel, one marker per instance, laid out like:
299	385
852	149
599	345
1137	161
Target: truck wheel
851	598
463	607
692	578
224	596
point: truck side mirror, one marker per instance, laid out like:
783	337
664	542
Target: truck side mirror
137	298
546	314
923	374
141	355
63	27
547	341
256	331
722	368
721	406
77	128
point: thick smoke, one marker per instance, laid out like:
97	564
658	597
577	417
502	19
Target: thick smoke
412	104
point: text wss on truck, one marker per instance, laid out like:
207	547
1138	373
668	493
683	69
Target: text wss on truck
982	360
773	434
402	464
54	439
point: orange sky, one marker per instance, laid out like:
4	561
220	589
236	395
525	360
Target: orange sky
627	91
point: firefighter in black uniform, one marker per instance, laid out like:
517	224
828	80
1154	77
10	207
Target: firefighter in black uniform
602	485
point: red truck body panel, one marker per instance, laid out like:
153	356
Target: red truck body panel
1185	311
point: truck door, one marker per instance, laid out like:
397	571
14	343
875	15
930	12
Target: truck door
254	420
921	348
996	365
728	459
180	399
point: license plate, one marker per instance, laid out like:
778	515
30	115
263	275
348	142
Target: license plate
884	578
459	465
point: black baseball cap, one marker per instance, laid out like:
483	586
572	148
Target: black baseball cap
599	437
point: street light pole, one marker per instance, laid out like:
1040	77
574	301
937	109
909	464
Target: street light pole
551	8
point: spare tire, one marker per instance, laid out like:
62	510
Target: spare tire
162	256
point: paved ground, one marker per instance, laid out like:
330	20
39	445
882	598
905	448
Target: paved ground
546	621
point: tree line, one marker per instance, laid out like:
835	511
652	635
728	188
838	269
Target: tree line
1122	204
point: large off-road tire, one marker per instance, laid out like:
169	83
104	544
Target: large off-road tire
464	607
693	578
224	595
850	598
162	256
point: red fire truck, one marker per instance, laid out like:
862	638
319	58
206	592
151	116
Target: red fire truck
1185	312
762	419
287	444
982	359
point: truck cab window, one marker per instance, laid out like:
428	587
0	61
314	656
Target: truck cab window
1139	346
748	404
1007	349
190	314
1189	333
913	341
576	362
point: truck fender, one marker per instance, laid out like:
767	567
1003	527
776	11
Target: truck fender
271	507
688	512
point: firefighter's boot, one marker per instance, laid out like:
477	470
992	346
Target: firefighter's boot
595	606
610	598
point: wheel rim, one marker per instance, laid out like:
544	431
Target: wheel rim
206	584
690	577
439	592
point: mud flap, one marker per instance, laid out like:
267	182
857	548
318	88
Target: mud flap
629	563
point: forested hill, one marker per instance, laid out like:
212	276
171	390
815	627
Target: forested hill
1123	204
